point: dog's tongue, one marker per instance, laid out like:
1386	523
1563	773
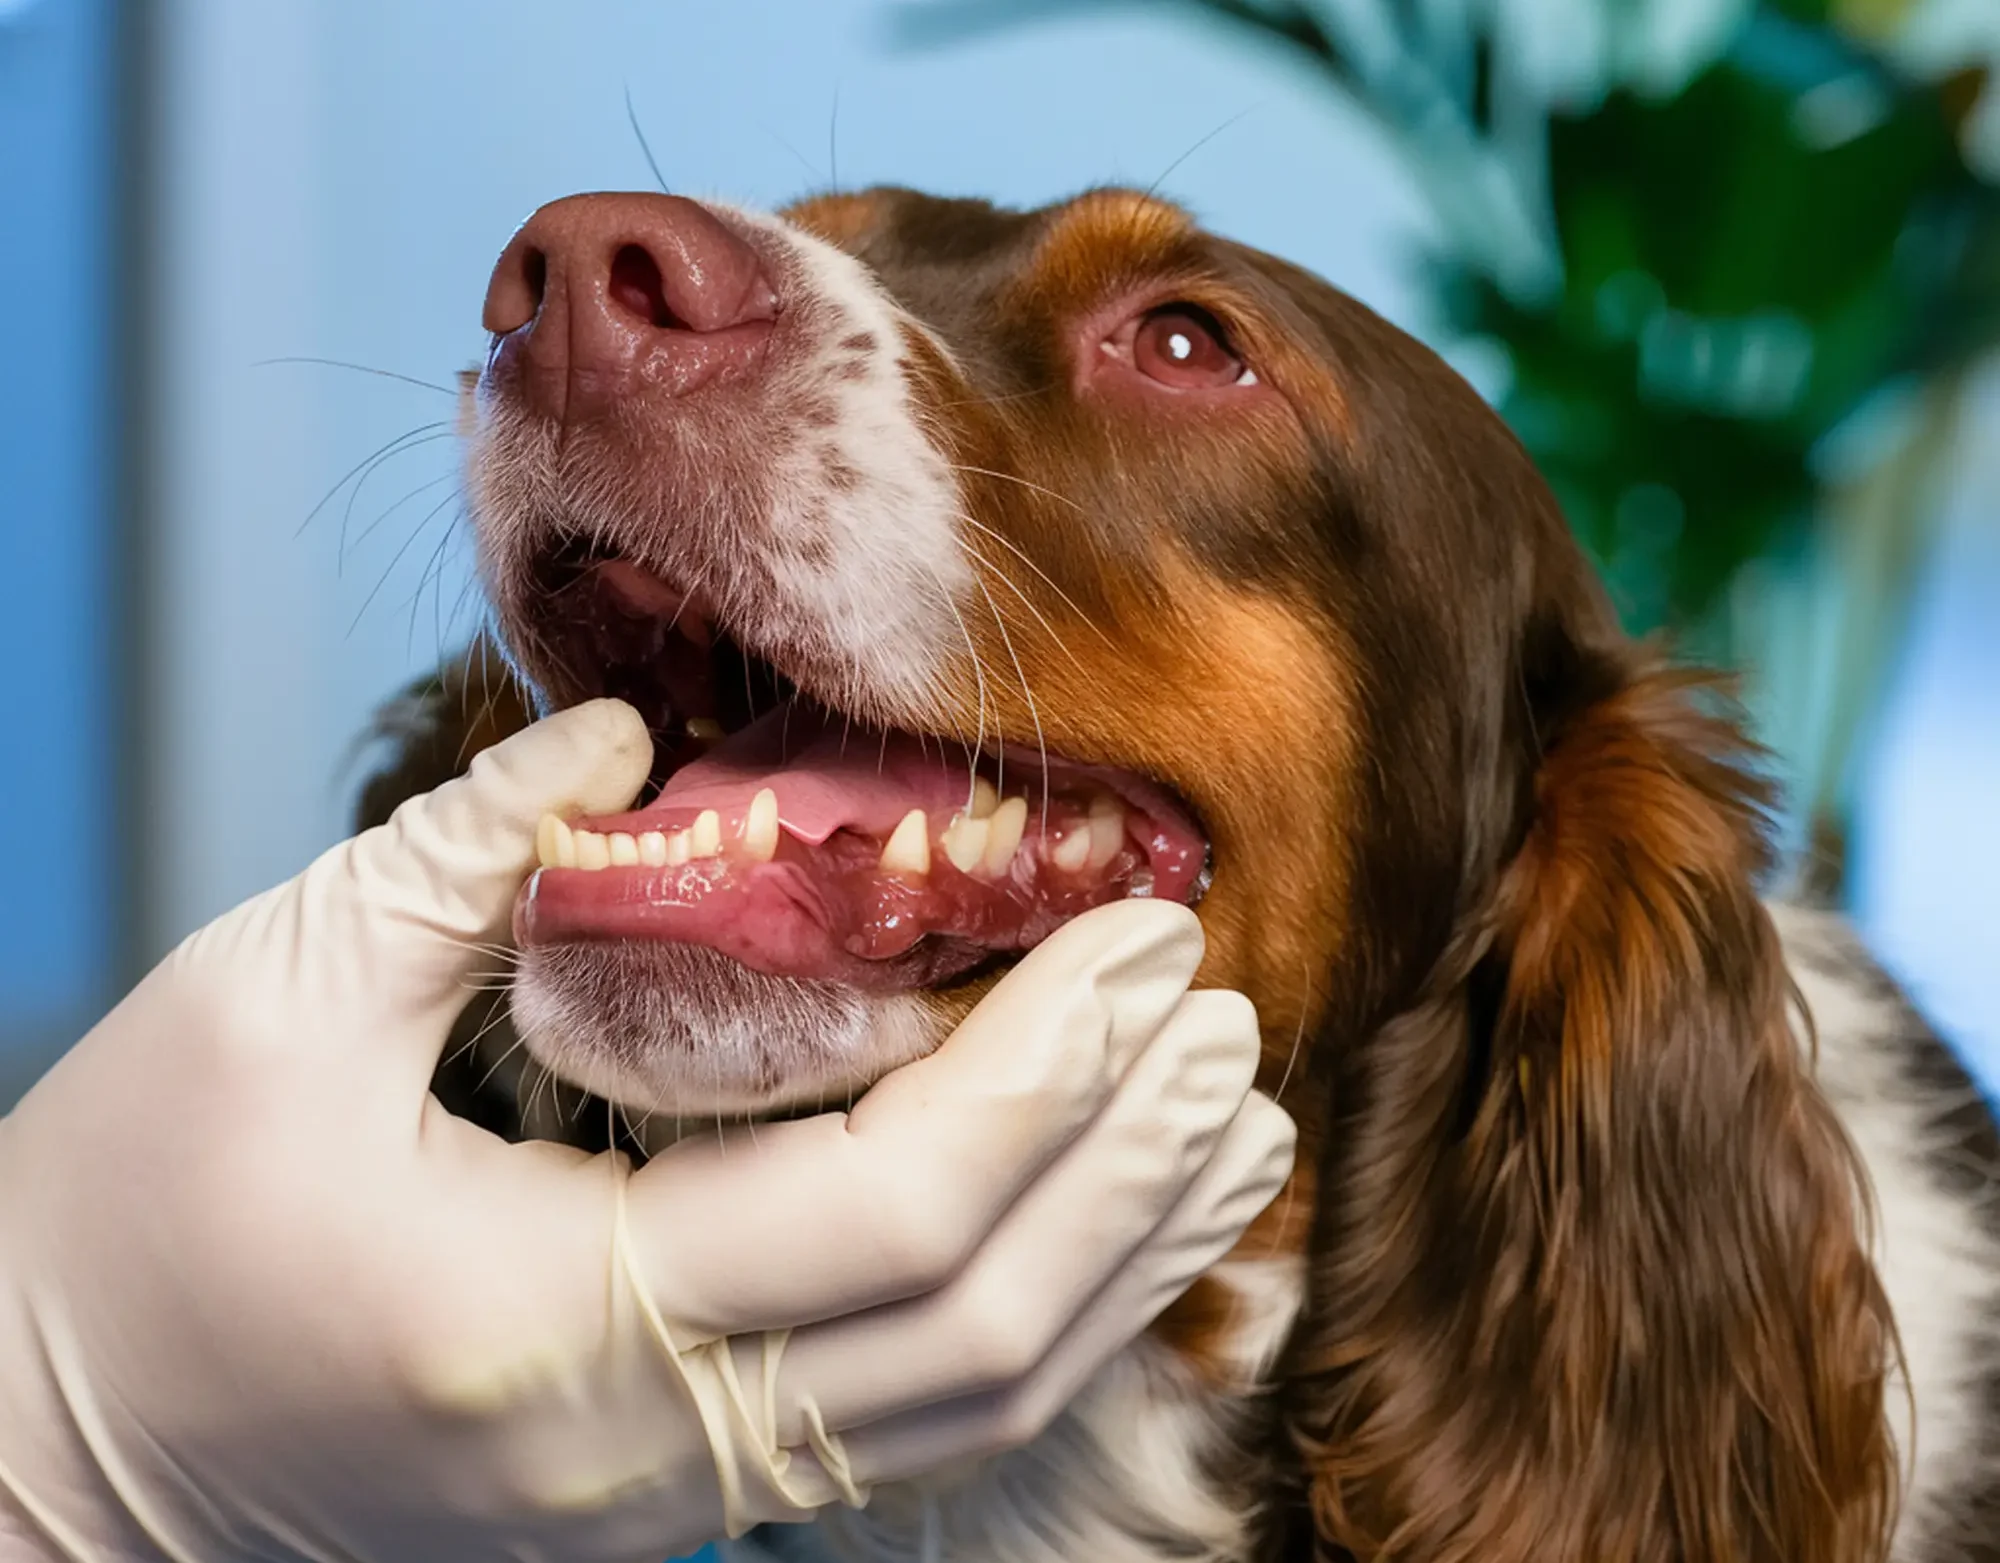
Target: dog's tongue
824	904
828	776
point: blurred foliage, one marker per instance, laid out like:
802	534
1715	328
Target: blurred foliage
1705	285
1748	266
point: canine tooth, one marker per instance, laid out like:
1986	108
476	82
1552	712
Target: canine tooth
704	728
965	842
1107	829
653	849
760	826
678	851
592	850
908	849
1003	834
624	850
553	846
985	798
705	840
1073	851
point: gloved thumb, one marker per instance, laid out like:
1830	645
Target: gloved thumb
383	930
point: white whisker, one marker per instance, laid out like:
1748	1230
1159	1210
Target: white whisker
979	679
1027	602
1034	715
1067	600
1008	477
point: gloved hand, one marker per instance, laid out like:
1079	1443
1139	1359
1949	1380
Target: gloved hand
260	1295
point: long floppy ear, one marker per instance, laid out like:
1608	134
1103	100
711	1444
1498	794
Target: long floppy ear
1599	1290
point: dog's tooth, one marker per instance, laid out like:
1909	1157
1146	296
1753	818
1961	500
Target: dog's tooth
592	850
653	849
908	849
965	841
704	729
554	847
1107	829
678	849
985	798
1003	835
1072	852
624	850
760	826
705	839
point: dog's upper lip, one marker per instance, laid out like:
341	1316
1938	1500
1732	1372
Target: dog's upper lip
639	590
641	594
617	587
632	588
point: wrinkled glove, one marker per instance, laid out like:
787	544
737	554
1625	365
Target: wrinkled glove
260	1295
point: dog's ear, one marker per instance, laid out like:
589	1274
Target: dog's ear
429	733
1599	1290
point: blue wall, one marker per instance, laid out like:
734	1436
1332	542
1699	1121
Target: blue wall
56	452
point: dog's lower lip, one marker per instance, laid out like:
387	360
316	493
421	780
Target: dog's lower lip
878	861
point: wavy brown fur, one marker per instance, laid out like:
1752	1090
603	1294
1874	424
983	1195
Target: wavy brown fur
1590	1282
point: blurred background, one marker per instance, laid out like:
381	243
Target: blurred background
1731	269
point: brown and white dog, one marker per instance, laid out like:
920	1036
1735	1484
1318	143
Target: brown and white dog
975	567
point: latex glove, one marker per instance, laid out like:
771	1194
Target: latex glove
260	1295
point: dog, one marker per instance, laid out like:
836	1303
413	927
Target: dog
974	567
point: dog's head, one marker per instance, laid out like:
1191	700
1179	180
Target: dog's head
1016	562
975	567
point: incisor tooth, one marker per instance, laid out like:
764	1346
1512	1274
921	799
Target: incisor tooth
653	849
624	850
1107	829
1003	834
553	846
760	826
1073	851
678	851
908	850
592	851
705	839
985	798
965	842
704	728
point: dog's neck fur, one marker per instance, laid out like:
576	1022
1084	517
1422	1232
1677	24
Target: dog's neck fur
1136	1470
1128	1474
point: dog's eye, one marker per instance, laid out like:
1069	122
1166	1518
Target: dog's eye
1183	346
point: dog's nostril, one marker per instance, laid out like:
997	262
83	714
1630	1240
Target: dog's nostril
514	296
637	289
605	297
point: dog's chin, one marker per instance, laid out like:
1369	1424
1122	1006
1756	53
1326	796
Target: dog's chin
678	1030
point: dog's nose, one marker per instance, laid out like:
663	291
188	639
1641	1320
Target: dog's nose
601	297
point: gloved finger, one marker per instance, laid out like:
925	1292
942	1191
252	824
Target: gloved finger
1239	1182
1058	1246
383	930
1103	983
890	1200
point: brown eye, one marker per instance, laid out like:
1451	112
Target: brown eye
1183	347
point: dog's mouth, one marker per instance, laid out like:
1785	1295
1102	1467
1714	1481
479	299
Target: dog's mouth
781	833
